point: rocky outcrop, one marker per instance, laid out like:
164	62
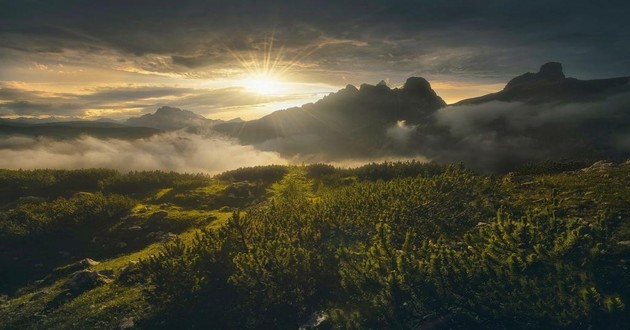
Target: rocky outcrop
84	280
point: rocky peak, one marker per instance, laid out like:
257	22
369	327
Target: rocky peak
380	87
175	112
551	71
417	85
169	118
550	84
351	88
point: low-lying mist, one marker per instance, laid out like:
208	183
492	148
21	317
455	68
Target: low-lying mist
173	151
497	136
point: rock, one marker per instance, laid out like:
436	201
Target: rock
87	262
127	271
315	320
84	280
167	237
59	299
79	265
165	205
106	272
600	166
159	215
126	323
161	236
38	296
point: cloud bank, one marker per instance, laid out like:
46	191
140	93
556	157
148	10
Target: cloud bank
174	151
120	102
498	135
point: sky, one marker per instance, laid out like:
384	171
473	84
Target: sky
227	59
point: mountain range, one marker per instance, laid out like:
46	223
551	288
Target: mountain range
537	116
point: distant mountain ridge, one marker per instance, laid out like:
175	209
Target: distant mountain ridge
170	118
549	84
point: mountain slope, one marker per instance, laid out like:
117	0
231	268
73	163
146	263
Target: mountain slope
549	84
351	122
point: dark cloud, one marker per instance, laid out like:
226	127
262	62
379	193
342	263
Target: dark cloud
434	38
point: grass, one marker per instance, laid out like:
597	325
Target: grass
584	194
104	307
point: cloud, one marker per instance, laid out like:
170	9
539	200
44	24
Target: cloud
122	102
401	132
174	151
501	135
445	38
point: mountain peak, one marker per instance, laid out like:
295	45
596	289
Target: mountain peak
551	71
417	85
169	118
550	84
176	112
381	86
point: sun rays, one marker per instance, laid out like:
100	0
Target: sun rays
266	68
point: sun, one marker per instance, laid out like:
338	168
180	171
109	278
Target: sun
265	69
263	84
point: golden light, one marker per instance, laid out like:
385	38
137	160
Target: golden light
262	84
266	71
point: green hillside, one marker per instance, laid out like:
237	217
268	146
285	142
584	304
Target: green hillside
402	245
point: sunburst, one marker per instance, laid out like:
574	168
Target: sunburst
266	70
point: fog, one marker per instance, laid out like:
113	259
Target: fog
401	132
174	151
499	135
